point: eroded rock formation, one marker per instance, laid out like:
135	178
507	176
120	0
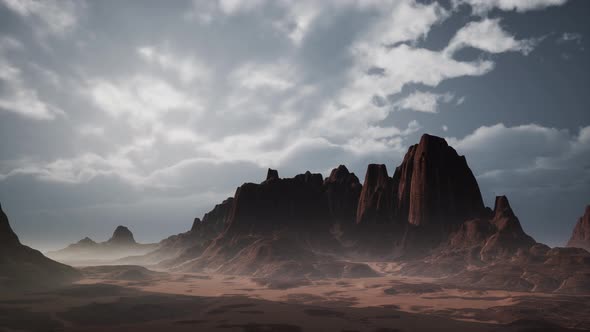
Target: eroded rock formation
434	186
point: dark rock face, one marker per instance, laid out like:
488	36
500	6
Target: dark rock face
581	234
122	236
342	190
218	217
24	267
434	186
375	203
296	203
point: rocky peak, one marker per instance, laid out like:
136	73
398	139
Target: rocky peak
122	236
339	174
196	224
434	185
581	234
315	179
7	236
86	241
504	217
509	236
272	174
375	202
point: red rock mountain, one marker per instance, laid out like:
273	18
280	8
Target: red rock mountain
429	217
581	234
434	185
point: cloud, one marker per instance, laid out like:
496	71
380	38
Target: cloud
402	65
142	100
56	16
91	130
483	6
497	150
570	37
405	21
188	69
427	102
276	77
487	35
17	97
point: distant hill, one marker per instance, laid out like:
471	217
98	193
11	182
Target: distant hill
88	252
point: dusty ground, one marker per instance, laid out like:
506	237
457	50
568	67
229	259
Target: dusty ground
136	299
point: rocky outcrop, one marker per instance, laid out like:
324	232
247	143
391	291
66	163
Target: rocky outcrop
296	203
581	234
272	174
342	190
434	186
508	234
24	267
122	236
375	204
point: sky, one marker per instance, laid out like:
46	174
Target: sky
148	113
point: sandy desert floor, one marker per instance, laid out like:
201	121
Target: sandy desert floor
128	298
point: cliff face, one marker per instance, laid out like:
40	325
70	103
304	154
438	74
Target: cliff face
295	203
581	234
341	191
215	220
434	186
375	204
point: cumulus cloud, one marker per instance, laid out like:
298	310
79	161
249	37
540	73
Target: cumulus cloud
402	65
404	21
487	35
497	150
421	101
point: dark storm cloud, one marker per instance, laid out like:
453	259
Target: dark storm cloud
149	113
